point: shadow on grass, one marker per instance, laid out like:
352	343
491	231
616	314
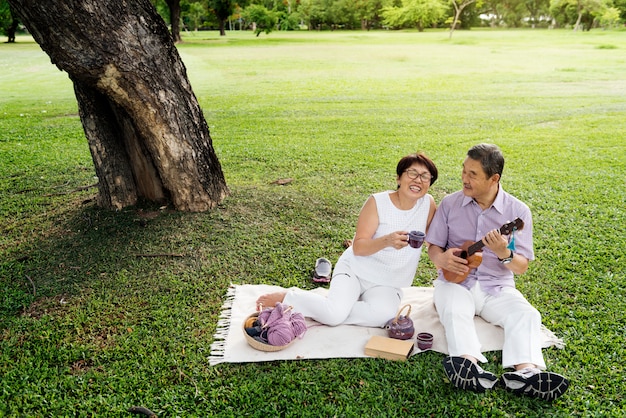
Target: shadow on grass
253	237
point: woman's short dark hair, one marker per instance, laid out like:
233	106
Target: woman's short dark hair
419	158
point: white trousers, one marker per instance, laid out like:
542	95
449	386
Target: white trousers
521	322
349	301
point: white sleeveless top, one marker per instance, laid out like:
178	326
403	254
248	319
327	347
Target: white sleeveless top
389	266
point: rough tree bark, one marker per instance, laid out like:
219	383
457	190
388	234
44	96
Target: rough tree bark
145	129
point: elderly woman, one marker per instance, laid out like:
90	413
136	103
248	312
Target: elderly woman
368	277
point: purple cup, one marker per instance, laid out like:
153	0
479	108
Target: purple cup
424	341
416	238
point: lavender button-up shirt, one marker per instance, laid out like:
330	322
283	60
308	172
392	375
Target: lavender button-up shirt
459	219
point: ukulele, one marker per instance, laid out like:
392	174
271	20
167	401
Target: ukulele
471	252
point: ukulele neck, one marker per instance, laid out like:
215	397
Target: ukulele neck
475	247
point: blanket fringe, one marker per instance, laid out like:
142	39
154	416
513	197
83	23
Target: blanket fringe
218	347
551	337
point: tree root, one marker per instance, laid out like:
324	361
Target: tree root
78	189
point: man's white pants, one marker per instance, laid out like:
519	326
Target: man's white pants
457	306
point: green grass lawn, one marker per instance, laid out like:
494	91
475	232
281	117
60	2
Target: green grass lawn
88	327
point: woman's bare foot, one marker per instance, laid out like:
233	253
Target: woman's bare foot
269	300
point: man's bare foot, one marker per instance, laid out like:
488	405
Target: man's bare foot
269	300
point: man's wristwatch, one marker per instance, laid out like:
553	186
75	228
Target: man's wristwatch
508	259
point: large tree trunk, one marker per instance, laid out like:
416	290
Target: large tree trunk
145	129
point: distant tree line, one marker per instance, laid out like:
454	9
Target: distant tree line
268	15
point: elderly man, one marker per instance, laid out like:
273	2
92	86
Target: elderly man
479	280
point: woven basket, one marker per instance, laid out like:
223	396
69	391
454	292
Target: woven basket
258	345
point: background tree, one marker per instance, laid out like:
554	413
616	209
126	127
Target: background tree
8	22
222	9
579	13
514	12
196	13
368	12
284	11
610	18
343	15
459	6
171	12
417	13
174	6
495	9
621	6
316	13
146	132
536	10
264	20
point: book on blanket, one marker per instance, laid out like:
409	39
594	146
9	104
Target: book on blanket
389	348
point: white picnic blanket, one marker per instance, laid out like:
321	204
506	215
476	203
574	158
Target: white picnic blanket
343	341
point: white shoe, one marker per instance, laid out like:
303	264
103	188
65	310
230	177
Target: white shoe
323	269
